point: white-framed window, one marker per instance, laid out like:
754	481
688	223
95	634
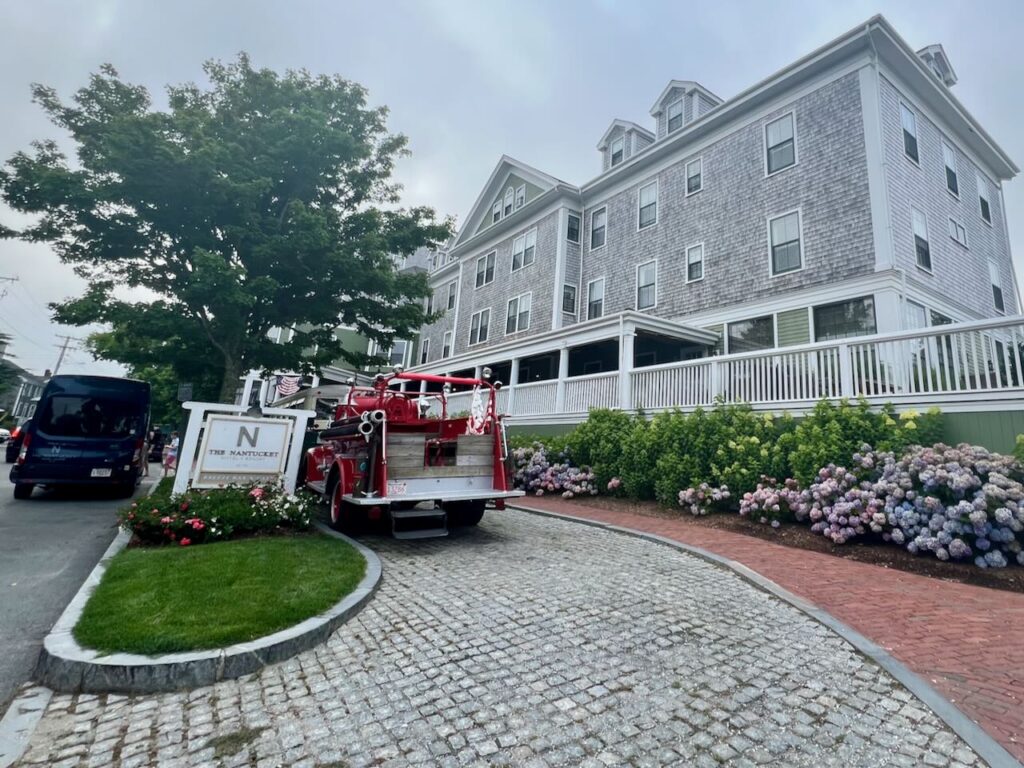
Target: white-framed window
958	231
647	285
572	230
922	248
647	206
509	196
694	176
844	319
446	344
485	269
496	212
617	149
452	289
780	144
750	335
425	352
430	303
908	119
675	116
984	207
518	316
784	239
520	196
695	263
949	158
569	298
524	248
997	286
598	228
595	298
478	326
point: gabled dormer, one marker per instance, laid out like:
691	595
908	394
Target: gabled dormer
621	141
934	56
682	102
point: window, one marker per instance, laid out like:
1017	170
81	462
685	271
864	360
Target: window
949	157
595	298
695	263
478	326
997	285
843	319
446	345
520	196
425	352
396	356
618	149
451	294
694	176
909	121
750	335
675	115
572	233
957	231
523	249
921	247
916	315
430	303
986	209
598	222
508	202
647	285
569	299
496	212
485	269
518	317
784	233
940	319
781	143
647	203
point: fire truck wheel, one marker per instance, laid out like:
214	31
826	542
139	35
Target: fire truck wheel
465	512
342	513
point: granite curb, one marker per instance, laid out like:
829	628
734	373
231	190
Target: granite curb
67	667
984	745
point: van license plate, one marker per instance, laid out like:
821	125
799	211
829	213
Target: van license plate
101	473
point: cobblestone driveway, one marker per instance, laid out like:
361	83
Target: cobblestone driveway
532	641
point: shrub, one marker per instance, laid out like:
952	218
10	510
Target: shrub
704	499
210	515
768	503
534	471
598	442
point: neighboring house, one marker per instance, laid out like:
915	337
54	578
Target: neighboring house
849	194
19	401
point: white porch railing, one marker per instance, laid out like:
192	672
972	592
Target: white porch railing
596	390
537	397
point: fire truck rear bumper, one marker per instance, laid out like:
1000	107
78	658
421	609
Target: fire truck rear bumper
369	501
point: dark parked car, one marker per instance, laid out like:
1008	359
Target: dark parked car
87	430
13	445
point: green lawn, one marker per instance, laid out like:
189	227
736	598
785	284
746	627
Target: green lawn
166	599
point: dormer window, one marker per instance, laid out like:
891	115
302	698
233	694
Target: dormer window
509	194
675	115
496	212
618	149
520	196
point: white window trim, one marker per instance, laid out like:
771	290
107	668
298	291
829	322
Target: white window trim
575	299
636	286
927	239
452	296
424	352
917	134
446	341
486	281
800	227
516	205
682	115
960	224
703	264
579	229
983	182
512	263
479	313
994	266
764	149
510	196
496	209
956	167
590	285
611	151
590	234
657	200
519	301
700	159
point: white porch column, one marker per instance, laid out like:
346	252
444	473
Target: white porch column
246	388
264	391
626	367
513	381
563	374
477	371
423	387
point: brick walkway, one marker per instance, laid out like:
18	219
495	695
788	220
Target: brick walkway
968	642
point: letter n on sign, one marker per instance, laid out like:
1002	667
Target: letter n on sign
250	437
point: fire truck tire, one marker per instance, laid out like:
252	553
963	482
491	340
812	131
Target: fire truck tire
342	514
465	513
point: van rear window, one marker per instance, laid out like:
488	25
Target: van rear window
85	416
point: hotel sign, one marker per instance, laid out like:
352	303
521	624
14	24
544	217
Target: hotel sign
242	450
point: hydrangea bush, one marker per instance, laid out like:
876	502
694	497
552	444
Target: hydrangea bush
534	472
210	515
704	499
771	504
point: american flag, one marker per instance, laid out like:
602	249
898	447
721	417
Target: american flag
287	385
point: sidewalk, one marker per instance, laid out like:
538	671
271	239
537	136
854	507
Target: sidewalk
967	641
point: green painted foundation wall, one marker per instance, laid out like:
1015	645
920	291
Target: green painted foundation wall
996	430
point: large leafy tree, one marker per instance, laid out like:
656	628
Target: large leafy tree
262	200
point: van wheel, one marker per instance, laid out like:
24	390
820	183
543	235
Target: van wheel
23	490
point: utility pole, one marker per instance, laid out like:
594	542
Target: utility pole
63	351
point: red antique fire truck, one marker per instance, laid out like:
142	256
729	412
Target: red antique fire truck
400	457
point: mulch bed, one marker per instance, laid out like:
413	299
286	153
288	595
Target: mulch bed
801	537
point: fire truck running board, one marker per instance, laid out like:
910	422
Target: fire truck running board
436	517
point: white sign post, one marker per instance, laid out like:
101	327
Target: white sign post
238	448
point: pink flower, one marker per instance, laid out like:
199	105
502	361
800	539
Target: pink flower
184	506
185	541
165	520
256	493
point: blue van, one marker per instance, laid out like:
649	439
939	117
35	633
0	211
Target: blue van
86	430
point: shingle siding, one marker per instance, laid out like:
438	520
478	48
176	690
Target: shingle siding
730	214
959	274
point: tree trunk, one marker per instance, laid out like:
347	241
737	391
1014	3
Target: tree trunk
229	384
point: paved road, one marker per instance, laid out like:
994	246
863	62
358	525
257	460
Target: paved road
532	642
48	545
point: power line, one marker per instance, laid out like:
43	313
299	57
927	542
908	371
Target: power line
63	350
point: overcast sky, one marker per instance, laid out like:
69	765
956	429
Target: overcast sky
467	82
